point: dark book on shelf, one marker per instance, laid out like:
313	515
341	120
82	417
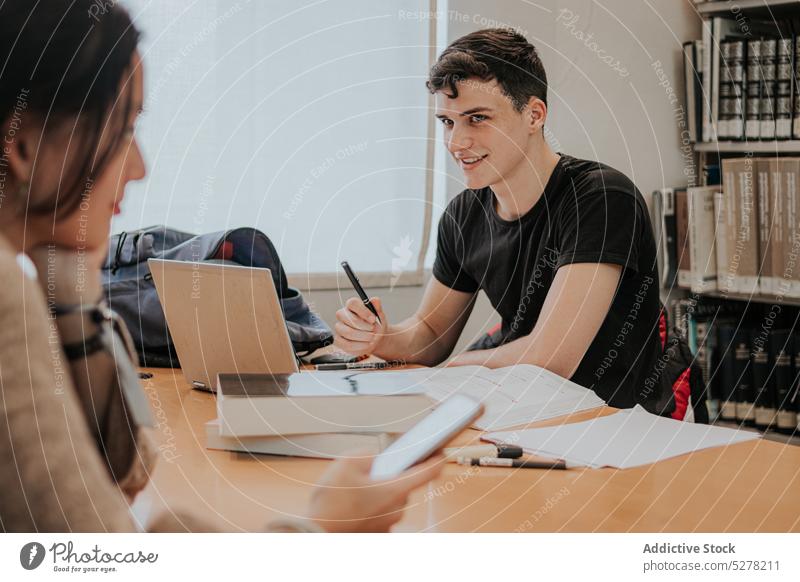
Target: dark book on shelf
669	240
780	348
730	125
766	115
753	90
693	83
795	390
795	90
744	395
706	347
763	383
726	371
784	93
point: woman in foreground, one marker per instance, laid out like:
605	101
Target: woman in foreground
73	444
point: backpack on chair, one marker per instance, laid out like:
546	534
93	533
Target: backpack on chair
129	289
682	388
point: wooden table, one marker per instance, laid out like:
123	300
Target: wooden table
747	487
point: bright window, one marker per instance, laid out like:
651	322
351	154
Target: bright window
307	120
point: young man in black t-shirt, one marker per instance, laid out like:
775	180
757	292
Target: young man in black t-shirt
563	248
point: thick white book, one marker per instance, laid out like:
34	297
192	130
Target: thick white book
316	446
319	402
702	250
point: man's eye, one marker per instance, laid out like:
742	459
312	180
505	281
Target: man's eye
477	118
447	122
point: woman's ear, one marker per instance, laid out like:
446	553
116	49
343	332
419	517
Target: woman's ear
537	114
19	138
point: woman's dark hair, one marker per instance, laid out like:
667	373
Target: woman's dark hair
63	61
498	54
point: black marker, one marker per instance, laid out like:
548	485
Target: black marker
360	290
513	463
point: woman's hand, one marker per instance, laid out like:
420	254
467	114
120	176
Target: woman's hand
347	500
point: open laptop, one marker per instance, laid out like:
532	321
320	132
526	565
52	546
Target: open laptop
223	318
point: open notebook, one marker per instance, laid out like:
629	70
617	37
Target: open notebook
512	396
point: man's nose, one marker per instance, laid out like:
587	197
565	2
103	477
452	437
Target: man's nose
459	140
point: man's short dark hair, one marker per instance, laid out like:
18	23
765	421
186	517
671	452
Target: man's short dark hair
498	54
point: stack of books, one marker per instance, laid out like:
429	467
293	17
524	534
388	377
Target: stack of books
741	81
740	237
749	355
314	414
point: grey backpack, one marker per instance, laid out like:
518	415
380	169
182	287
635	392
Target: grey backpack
129	289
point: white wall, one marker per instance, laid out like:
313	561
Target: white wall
620	114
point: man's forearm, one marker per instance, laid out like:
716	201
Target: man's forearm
519	351
413	341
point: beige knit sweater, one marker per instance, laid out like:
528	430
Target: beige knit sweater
64	466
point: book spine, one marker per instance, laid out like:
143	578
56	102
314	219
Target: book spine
708	43
690	75
725	91
744	396
776	211
735	78
670	238
705	347
795	390
784	74
763	400
697	78
726	348
682	227
796	93
753	90
781	354
791	247
721	241
765	279
768	89
731	169
746	248
702	259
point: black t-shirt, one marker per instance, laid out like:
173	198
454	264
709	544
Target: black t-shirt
588	213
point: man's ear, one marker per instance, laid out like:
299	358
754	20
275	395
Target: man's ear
19	144
537	114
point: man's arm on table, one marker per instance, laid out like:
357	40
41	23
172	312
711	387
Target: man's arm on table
573	311
427	337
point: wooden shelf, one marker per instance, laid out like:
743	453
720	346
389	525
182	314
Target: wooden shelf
770	435
762	7
762	147
772	300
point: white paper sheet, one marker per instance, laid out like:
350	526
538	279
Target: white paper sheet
628	438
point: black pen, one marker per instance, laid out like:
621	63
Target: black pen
360	290
513	463
361	366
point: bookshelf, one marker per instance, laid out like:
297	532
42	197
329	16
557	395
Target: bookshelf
765	299
750	7
740	147
747	63
777	437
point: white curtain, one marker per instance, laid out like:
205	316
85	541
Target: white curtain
306	119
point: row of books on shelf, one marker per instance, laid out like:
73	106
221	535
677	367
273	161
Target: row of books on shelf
741	236
742	82
750	358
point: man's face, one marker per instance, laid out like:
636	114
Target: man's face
485	134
